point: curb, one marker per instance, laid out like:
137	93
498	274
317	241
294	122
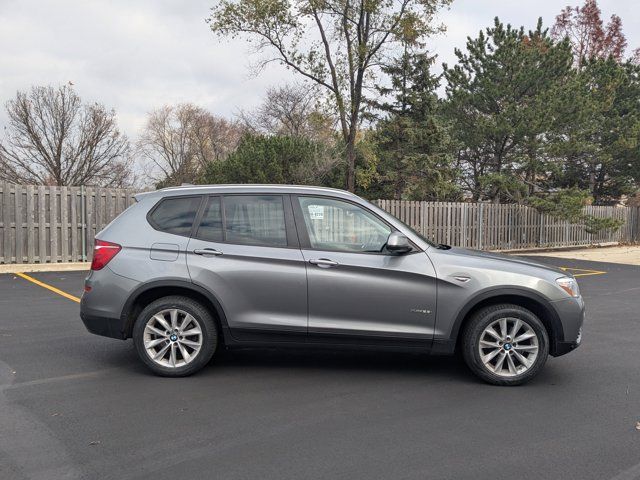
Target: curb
44	267
593	246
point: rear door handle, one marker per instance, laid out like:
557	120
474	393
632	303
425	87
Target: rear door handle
323	262
207	252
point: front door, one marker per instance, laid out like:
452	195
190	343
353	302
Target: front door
245	252
357	291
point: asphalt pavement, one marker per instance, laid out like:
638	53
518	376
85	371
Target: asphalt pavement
74	405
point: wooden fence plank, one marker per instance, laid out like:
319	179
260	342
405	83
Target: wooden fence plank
53	223
73	222
31	210
64	225
42	225
19	235
6	223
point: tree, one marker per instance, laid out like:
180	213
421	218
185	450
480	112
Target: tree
589	37
271	159
569	205
53	139
413	143
336	44
601	151
181	140
290	110
507	92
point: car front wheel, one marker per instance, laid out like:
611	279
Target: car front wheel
175	336
505	344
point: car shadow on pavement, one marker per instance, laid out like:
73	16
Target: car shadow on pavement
288	361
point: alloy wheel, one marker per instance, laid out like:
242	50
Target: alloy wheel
508	347
172	338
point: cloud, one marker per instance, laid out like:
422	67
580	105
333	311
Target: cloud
133	56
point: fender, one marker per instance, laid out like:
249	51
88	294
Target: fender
494	292
170	282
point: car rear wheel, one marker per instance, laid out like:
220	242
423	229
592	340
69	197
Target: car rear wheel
175	336
505	344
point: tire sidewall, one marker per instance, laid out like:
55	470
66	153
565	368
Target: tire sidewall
202	316
489	315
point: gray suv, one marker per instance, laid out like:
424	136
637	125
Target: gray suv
188	270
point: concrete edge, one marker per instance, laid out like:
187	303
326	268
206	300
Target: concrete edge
44	267
572	248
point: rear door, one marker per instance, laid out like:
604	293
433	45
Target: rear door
357	291
246	252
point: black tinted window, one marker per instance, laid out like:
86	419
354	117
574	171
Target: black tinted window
255	220
175	215
210	228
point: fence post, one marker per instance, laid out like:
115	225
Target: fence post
464	225
83	219
480	226
541	217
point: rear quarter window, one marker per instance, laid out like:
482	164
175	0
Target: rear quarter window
175	215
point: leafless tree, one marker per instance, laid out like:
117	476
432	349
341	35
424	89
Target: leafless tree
180	140
53	139
588	35
285	110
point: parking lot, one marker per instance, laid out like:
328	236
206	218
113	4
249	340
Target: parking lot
74	405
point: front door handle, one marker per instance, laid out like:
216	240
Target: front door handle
207	252
323	262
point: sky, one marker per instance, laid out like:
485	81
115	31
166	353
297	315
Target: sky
137	55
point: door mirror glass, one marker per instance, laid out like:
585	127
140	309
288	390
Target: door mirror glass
398	243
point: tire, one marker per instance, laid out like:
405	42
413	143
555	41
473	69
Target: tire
502	352
184	354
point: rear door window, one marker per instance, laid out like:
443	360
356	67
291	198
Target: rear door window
255	220
175	215
210	228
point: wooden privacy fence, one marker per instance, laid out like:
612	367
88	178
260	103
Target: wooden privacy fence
55	224
58	224
488	226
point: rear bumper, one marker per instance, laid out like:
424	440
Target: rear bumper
102	303
106	327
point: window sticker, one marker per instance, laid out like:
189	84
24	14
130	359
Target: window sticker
316	212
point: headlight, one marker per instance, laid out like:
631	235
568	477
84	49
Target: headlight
569	285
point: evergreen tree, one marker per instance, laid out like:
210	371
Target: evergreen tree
601	151
507	92
272	159
412	142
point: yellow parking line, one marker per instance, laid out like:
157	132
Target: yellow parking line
586	272
48	287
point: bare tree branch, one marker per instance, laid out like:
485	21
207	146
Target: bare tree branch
53	139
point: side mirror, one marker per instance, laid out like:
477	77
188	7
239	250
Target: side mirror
398	243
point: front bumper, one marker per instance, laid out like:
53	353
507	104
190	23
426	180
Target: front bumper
571	312
562	348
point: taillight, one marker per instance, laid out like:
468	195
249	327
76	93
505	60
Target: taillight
103	252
